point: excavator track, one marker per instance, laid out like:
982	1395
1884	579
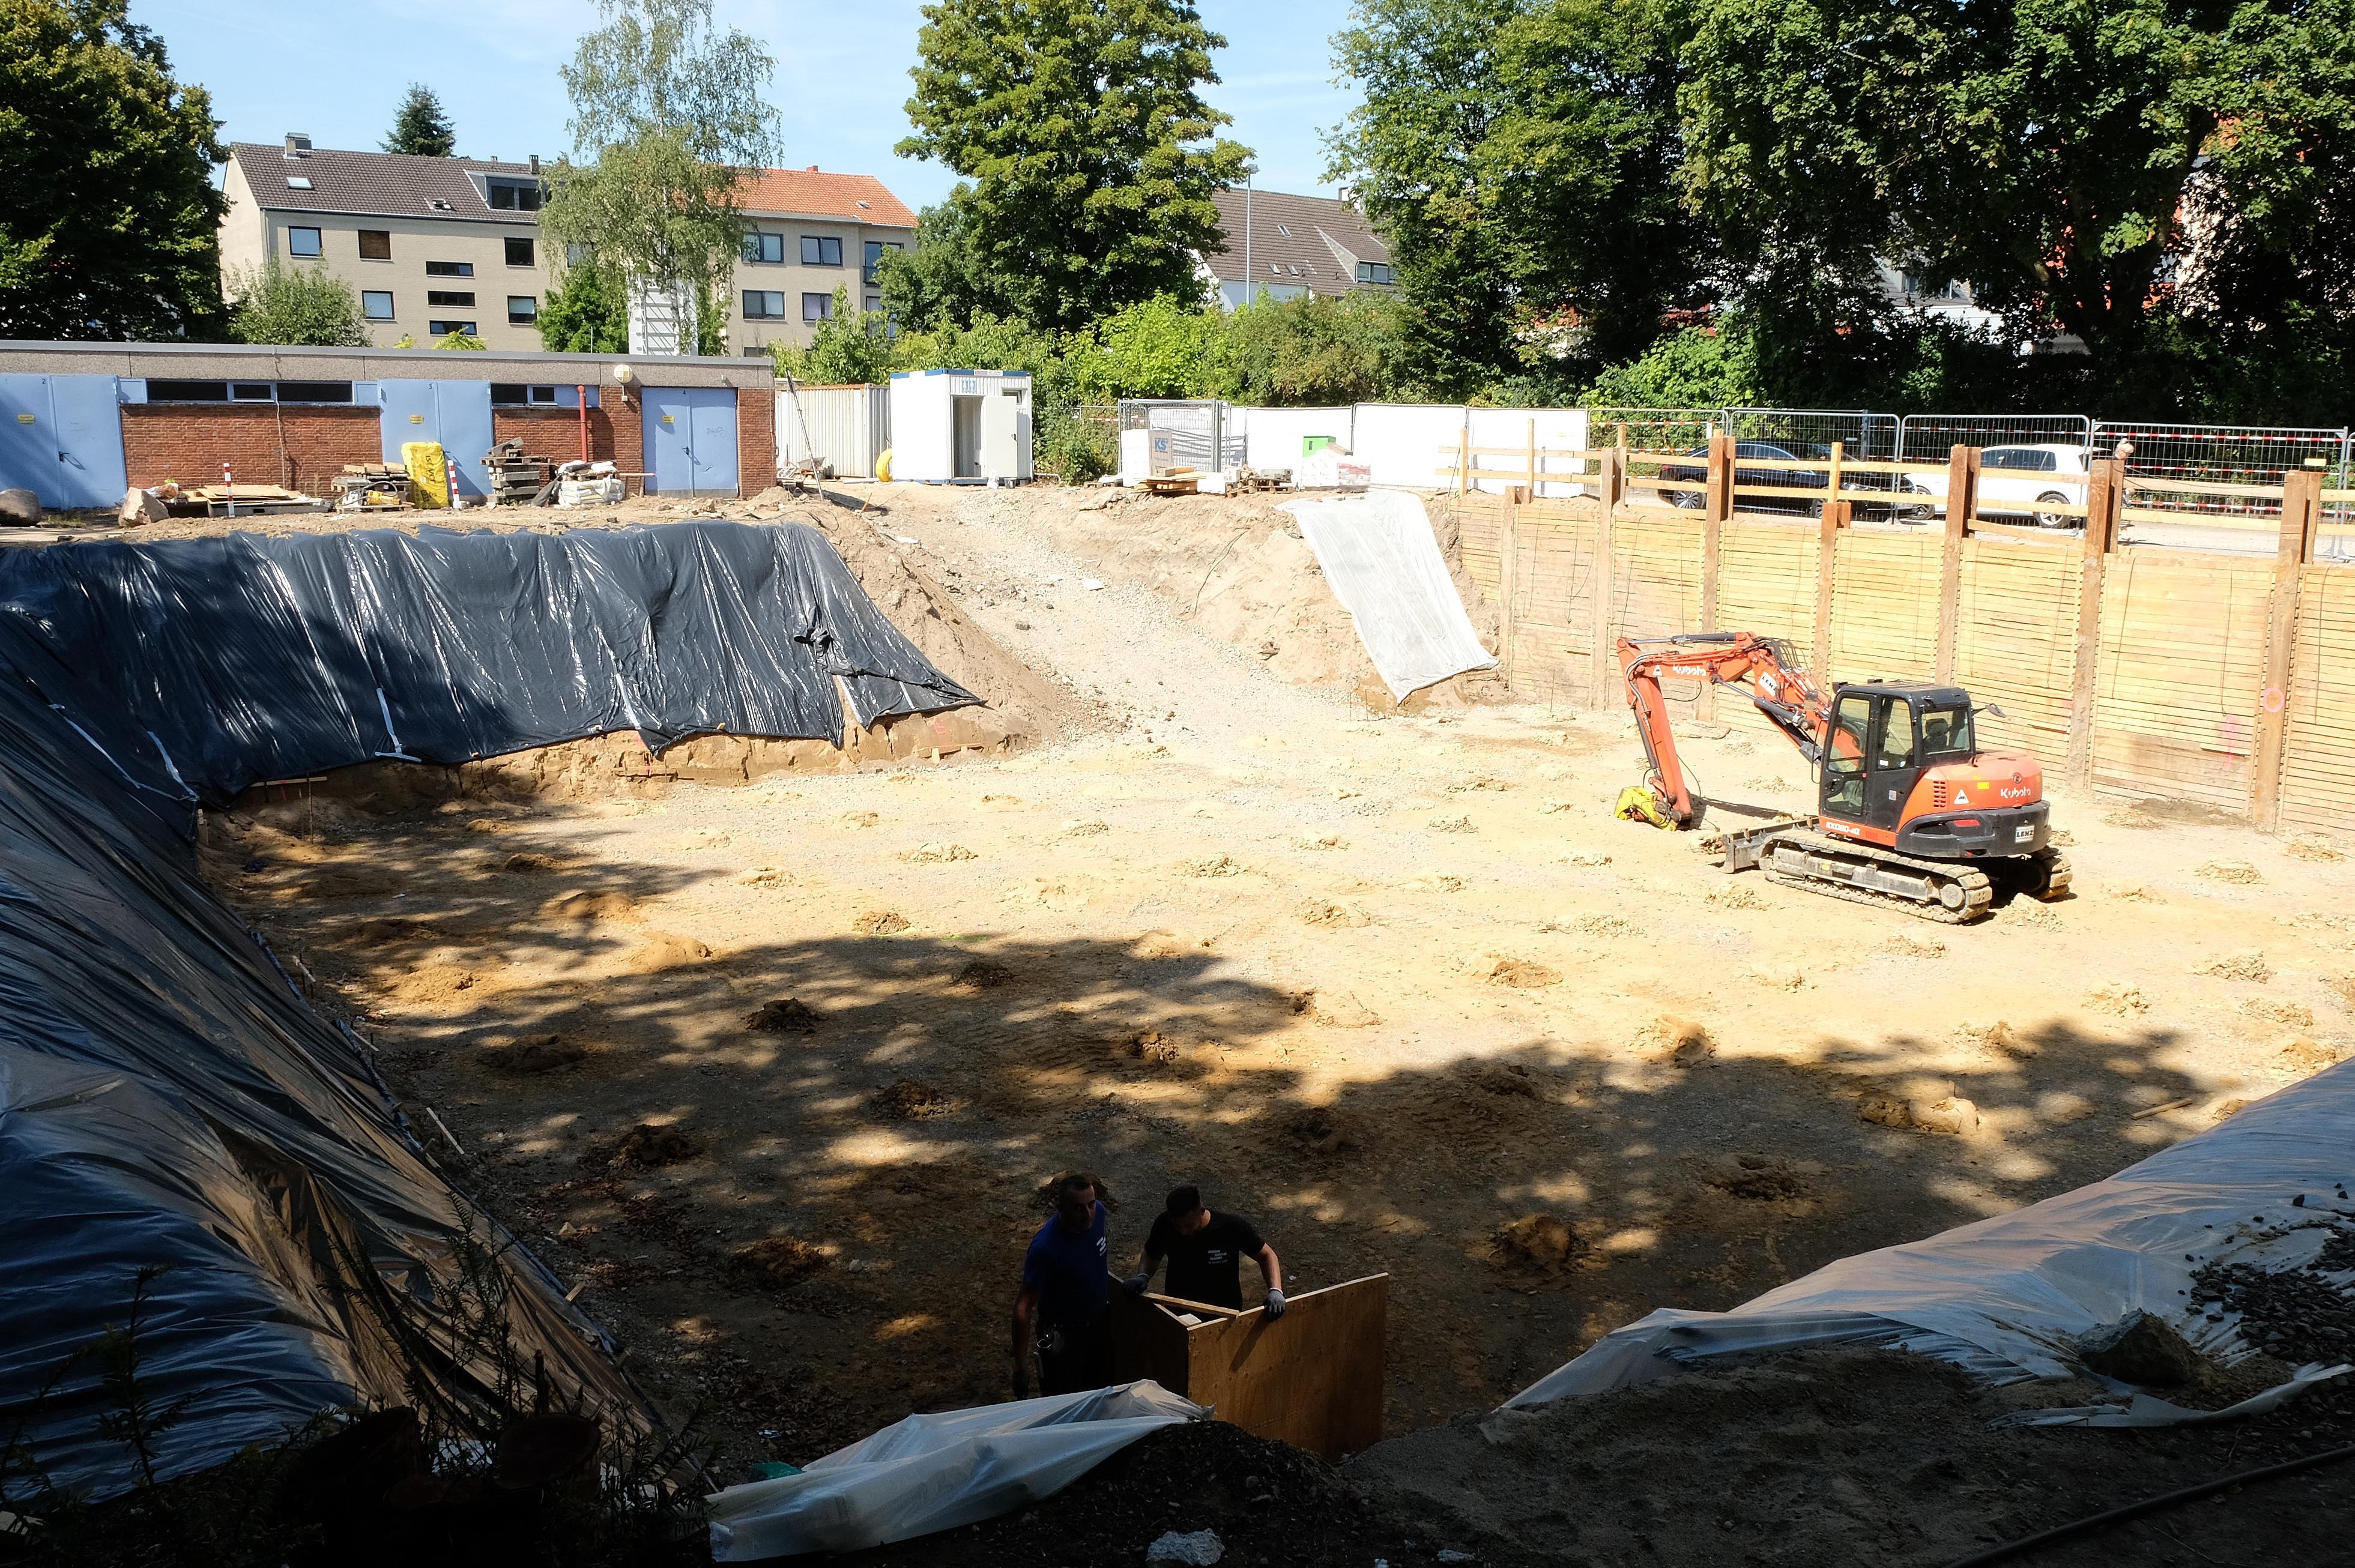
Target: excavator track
1865	873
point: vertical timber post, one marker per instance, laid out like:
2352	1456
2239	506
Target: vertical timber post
1464	458
1614	493
1508	576
1717	503
1835	518
2105	493
1533	460
2301	514
1962	502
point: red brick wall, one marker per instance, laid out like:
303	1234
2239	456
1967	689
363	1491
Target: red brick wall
756	439
297	447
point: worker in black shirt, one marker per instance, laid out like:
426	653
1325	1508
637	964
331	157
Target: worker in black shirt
1206	1253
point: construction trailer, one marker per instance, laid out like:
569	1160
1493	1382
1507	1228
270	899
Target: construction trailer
82	422
969	426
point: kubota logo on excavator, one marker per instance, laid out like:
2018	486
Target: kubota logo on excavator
2015	794
1698	672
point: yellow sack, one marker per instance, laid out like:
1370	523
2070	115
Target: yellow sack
429	473
1638	804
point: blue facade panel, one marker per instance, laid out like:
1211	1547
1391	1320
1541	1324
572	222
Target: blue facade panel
61	438
690	439
455	413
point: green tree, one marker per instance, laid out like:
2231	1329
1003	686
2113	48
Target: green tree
584	313
1316	352
1091	155
850	347
938	281
668	117
277	304
110	225
423	126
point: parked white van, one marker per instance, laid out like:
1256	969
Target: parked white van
2015	481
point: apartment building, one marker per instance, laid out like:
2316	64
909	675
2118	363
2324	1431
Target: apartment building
430	246
1293	247
807	235
436	244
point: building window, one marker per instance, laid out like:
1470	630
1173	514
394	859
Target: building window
314	391
874	302
463	297
448	269
302	242
187	391
760	246
515	394
817	307
875	248
821	250
443	329
376	245
298	182
765	304
519	250
523	309
513	195
377	304
1374	272
250	392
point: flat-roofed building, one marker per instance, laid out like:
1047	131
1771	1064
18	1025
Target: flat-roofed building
430	246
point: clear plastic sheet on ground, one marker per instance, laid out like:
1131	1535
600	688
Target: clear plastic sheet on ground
1377	553
2007	1297
931	1473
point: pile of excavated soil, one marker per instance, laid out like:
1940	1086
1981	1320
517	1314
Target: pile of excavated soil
1234	567
1864	1459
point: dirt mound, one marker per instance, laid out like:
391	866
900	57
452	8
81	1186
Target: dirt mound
932	854
765	876
2246	965
534	1053
2314	848
531	863
386	930
1331	914
1267	1502
775	1263
912	1099
436	985
1675	1042
784	1015
604	904
1521	974
664	950
1758	1179
982	974
879	923
1540	1244
1951	1113
1318	1129
651	1145
2239	873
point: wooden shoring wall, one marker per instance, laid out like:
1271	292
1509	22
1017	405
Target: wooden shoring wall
2227	680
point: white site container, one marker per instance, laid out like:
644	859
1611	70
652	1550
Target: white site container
953	426
844	427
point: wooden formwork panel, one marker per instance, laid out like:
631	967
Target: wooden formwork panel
1556	572
1766	585
2318	779
1654	577
1480	540
2176	690
2016	641
1885	606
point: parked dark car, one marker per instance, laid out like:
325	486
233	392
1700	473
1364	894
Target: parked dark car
1753	466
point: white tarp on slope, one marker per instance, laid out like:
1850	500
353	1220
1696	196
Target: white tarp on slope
1385	567
2005	1298
936	1472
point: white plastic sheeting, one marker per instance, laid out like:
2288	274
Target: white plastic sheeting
936	1472
1385	567
2007	1298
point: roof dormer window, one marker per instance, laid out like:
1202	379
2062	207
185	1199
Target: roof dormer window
1284	230
298	182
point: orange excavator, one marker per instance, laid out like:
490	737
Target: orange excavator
1910	811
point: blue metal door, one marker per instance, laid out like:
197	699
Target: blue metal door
455	413
669	424
61	438
712	441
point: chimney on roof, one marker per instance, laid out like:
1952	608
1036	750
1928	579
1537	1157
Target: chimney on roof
813	168
298	145
535	163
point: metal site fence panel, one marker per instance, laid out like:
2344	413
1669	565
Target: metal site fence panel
1183	433
1931	437
1655	438
2218	487
1805	437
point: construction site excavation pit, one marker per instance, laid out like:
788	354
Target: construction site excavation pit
767	1051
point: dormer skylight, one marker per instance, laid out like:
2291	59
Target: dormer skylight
298	182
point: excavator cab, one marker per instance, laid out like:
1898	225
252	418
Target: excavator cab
1902	768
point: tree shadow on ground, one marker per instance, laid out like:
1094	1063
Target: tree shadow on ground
797	1176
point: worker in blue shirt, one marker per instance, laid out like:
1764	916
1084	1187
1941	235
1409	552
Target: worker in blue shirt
1066	1293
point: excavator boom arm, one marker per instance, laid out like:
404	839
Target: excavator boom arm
1763	669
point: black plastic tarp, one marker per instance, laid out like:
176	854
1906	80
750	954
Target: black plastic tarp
166	1099
223	662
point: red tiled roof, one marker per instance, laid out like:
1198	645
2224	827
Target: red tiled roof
859	198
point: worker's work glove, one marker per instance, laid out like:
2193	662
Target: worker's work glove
1136	1284
1274	1304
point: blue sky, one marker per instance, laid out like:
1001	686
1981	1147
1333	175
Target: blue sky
337	71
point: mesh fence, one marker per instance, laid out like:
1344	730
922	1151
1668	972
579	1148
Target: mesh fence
2218	487
1808	435
1199	434
1655	438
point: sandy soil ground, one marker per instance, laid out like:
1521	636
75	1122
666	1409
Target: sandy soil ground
776	1071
